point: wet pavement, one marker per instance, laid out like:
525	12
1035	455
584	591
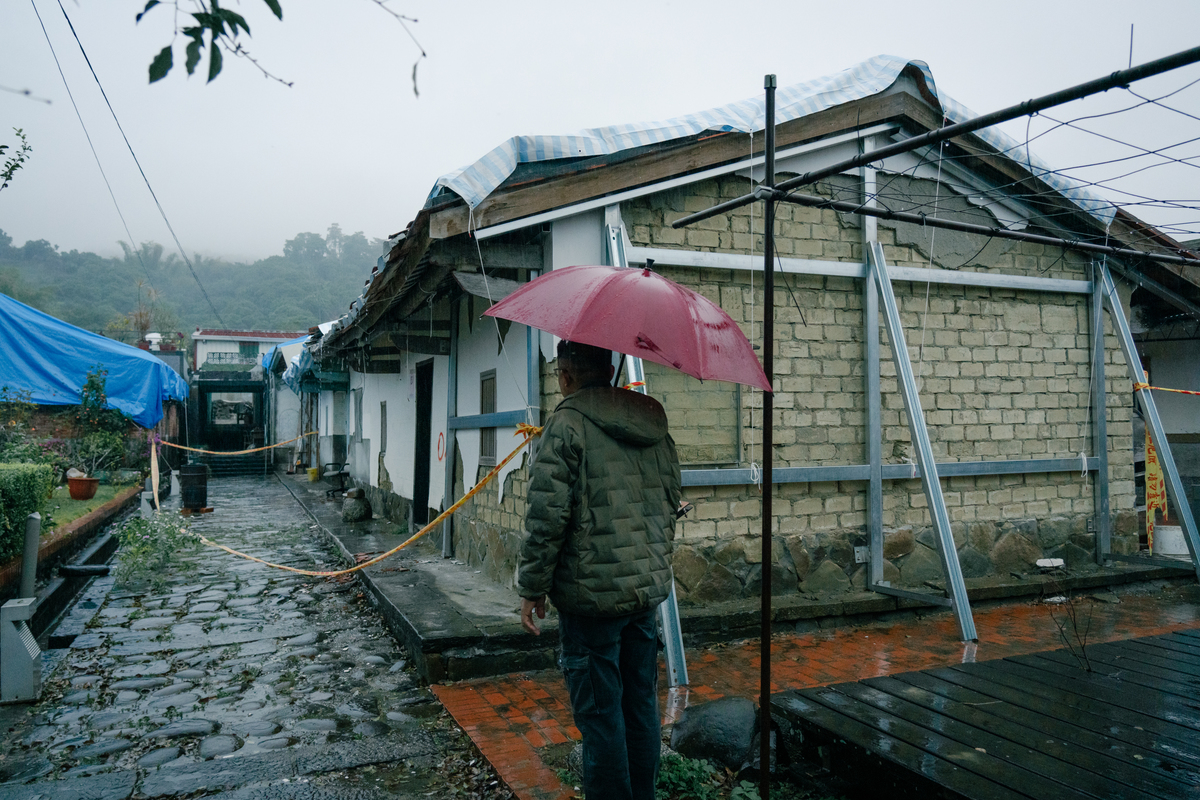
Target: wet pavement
522	722
234	676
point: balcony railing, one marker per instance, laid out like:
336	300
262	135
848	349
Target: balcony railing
230	358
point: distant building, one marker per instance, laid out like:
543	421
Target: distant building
227	407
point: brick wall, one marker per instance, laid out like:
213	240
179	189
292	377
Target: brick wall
1003	374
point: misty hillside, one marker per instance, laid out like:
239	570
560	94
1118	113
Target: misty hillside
313	280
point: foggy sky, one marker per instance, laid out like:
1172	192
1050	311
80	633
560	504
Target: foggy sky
244	163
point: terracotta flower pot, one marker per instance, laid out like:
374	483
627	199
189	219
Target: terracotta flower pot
82	488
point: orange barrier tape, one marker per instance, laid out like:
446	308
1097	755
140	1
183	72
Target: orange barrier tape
238	452
529	431
1138	386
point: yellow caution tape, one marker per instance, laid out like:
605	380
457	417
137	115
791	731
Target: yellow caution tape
523	429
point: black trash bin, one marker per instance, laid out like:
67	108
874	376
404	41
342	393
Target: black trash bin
193	485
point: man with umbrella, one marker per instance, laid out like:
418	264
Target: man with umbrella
603	494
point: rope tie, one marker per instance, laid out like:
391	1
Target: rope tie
523	429
1139	386
233	452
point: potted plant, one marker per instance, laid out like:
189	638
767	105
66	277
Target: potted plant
95	452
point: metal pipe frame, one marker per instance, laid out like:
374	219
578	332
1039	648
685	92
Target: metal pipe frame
955	587
850	269
982	230
1117	79
1153	421
889	472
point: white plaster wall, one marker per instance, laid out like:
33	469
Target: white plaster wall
1175	365
574	241
477	353
399	391
287	413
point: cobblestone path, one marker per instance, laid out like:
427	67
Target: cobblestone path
233	675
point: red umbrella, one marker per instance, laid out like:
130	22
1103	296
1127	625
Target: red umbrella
641	314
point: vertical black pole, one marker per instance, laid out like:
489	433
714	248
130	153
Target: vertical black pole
764	696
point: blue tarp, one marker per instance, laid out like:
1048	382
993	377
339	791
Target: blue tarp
269	356
50	359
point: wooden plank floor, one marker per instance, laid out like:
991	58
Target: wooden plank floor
1120	721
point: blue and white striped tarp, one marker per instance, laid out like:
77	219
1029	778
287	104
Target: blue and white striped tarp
475	182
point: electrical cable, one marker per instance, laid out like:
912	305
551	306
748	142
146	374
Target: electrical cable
88	136
161	211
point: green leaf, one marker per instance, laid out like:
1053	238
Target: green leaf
214	61
275	8
149	6
161	64
234	19
193	53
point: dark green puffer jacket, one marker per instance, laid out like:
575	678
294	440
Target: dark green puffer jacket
603	492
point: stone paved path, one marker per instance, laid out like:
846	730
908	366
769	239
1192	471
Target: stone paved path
234	677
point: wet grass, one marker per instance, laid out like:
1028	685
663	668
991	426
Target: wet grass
61	510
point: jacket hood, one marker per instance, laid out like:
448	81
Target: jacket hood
624	415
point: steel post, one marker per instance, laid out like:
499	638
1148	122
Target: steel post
768	443
29	563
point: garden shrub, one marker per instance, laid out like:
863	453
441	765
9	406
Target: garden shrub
23	491
99	450
150	549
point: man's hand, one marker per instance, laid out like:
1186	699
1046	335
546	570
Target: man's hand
527	608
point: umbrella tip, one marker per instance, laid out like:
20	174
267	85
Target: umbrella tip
649	266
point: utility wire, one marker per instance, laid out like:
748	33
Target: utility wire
186	260
88	136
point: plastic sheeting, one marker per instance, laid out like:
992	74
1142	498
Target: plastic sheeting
50	359
475	182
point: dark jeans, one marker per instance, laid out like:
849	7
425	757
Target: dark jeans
611	666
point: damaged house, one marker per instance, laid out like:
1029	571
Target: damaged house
1028	404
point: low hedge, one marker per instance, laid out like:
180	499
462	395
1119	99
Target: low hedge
23	490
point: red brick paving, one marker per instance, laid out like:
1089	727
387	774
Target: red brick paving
510	717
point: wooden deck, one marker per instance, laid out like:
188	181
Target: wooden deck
1035	726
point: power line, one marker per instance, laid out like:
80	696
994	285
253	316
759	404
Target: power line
88	136
161	211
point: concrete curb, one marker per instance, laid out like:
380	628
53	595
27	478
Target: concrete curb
59	544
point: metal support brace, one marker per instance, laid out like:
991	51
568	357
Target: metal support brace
955	587
451	434
871	374
20	657
1099	401
1153	421
668	610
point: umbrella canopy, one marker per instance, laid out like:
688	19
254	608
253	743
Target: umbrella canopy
641	314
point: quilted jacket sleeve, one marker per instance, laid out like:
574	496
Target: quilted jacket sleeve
548	515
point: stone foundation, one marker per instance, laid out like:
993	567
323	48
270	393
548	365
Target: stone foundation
823	564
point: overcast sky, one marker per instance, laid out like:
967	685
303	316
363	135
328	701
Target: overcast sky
244	163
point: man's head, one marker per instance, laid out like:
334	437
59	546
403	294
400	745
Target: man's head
581	365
